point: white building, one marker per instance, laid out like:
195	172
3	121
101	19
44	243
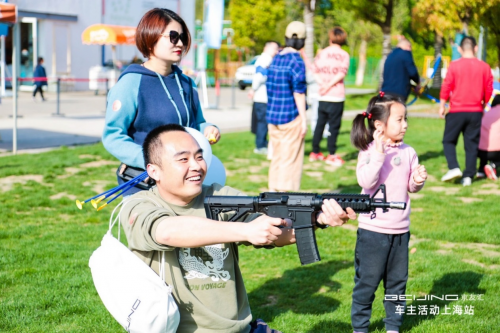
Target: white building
52	29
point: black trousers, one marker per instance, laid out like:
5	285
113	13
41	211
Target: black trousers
330	112
468	123
379	257
259	110
38	88
488	156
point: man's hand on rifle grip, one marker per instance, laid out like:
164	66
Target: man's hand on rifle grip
333	215
263	230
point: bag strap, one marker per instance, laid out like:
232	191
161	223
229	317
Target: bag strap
161	254
161	259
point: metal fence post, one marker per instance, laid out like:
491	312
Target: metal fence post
233	95
106	95
58	100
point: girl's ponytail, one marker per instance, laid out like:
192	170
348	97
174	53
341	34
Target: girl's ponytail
360	135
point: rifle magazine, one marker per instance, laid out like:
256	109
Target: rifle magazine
306	246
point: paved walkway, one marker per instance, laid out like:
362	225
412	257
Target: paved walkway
82	118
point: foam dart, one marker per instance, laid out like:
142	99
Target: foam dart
80	204
101	207
96	201
108	193
128	186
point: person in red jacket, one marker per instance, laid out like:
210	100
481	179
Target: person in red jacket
468	86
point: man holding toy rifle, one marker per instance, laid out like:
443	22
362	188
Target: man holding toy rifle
201	255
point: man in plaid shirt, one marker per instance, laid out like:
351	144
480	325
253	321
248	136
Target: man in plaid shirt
286	111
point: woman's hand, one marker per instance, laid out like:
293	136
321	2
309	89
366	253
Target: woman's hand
212	134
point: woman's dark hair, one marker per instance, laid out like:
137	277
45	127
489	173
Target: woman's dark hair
296	43
39	60
379	108
152	147
152	25
338	36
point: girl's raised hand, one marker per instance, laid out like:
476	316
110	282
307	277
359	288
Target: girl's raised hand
378	137
420	175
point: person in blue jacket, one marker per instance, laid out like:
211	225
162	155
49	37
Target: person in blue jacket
154	93
399	69
39	72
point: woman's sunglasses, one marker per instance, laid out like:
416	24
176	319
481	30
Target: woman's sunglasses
175	36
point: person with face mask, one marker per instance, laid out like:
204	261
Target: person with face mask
286	111
154	93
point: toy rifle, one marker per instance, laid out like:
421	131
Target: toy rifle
301	208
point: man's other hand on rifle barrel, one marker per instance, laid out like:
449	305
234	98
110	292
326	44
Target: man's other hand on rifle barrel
333	215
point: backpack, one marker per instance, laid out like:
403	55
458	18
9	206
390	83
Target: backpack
131	291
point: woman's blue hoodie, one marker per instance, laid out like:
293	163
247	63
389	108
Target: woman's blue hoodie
138	103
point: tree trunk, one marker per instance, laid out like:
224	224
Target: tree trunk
309	22
386	49
438	46
360	71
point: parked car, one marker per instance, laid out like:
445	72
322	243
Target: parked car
244	74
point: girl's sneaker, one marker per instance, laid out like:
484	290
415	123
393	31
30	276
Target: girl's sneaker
490	172
316	157
334	160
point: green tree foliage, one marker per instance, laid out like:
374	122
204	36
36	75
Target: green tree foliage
381	13
491	20
256	21
435	17
378	12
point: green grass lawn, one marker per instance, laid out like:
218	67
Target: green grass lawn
45	243
359	102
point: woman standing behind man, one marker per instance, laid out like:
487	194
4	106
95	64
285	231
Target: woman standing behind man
330	67
154	93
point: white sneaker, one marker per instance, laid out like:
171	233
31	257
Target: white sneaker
451	175
466	181
480	175
261	151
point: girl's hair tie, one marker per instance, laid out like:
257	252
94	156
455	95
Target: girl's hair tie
364	114
381	94
370	116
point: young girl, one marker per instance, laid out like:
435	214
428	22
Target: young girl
382	242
